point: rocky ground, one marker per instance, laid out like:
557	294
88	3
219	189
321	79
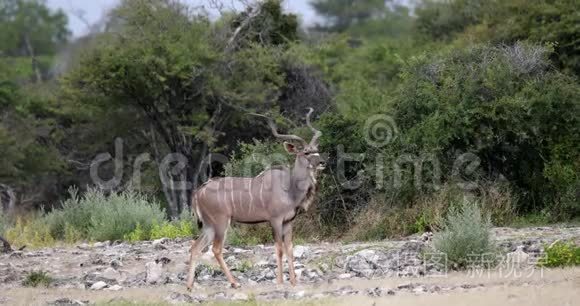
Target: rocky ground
332	272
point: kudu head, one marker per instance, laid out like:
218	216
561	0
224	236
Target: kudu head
307	154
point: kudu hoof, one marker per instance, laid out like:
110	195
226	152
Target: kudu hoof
236	285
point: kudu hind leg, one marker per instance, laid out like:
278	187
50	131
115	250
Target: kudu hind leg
197	247
217	248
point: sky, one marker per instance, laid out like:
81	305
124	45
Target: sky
93	11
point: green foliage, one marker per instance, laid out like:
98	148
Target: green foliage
37	278
176	229
344	13
541	22
441	20
511	111
244	235
138	234
466	232
270	27
31	233
182	227
3	222
253	158
31	25
561	254
244	266
96	216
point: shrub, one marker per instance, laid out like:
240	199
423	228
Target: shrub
33	233
3	222
96	216
180	228
560	254
466	233
243	235
138	234
175	229
506	105
37	278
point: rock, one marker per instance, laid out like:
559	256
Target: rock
67	302
160	241
101	244
84	246
111	274
426	237
298	272
116	263
347	290
239	296
407	286
274	295
114	288
180	298
300	251
163	260
218	296
414	270
419	289
363	263
345	276
379	292
99	285
154	272
299	295
16	254
518	258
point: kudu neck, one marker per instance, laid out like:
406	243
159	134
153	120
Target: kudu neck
302	179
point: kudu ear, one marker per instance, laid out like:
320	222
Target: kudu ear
290	148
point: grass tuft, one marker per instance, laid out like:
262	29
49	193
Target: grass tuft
466	234
36	279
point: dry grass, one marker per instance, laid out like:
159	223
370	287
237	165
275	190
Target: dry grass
380	220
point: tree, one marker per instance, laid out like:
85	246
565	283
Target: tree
341	14
538	21
28	154
190	85
30	27
442	20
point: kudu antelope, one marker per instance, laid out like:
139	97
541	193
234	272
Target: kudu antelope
276	196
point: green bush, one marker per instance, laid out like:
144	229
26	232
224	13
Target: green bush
506	105
180	228
37	278
175	229
32	233
3	222
560	254
253	158
97	216
244	235
466	233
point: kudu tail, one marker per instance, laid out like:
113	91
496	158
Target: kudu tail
195	210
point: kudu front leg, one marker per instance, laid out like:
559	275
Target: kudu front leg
278	234
289	249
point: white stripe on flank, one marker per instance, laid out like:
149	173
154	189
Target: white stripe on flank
251	203
262	193
232	192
